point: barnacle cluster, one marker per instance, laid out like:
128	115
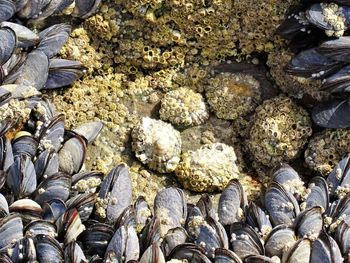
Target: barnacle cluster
157	144
326	149
207	169
292	85
334	17
232	95
183	107
279	131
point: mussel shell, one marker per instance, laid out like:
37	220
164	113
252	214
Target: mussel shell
205	205
150	234
293	26
29	209
41	227
96	237
127	218
84	203
280	204
11	230
74	254
258	219
232	203
309	223
69	226
153	254
56	186
299	253
34	71
325	249
173	238
342	236
48	249
7	10
53	132
318	194
85	8
280	238
333	114
8	41
89	130
143	213
189	252
46	164
24	251
171	208
53	209
4	208
32	9
223	255
72	155
310	64
53	38
25	37
63	72
340	175
25	145
245	241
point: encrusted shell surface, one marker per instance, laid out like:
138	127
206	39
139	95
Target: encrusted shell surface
326	149
157	144
233	95
279	131
183	107
208	169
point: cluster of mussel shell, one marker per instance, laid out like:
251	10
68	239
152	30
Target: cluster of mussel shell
319	36
53	210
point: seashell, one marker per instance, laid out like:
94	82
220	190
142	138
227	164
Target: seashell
325	249
223	255
309	223
318	194
74	254
48	249
11	230
85	8
258	219
53	209
89	130
7	10
24	250
189	252
69	226
25	37
299	252
281	237
173	238
8	41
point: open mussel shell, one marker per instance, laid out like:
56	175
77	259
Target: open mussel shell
48	249
232	203
325	249
7	10
340	175
280	238
171	208
280	204
21	177
40	227
89	130
96	237
189	252
318	195
24	251
63	72
85	8
8	42
117	184
223	255
310	64
53	38
245	240
11	230
333	114
74	254
53	209
56	186
72	155
124	245
25	37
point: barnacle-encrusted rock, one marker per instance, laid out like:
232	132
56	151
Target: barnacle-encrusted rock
233	95
208	169
183	107
279	131
326	149
157	144
292	85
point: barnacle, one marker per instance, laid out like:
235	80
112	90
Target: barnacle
232	95
326	149
207	169
183	107
156	144
278	135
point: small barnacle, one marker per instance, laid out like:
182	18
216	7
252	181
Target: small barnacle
208	169
280	129
232	95
156	144
183	107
